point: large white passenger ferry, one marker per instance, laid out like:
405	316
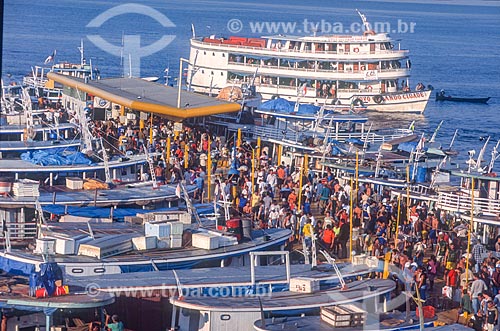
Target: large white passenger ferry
331	69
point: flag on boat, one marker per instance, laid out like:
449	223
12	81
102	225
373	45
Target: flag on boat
178	191
50	57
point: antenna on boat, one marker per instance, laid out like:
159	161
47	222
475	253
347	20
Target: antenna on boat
178	282
193	32
433	138
453	139
366	24
480	157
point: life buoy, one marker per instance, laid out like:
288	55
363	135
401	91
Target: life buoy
369	88
363	68
378	99
356	50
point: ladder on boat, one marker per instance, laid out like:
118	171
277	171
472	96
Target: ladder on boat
151	167
189	204
106	162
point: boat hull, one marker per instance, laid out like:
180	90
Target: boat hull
457	99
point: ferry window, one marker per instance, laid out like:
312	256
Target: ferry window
204	52
99	270
222	73
213	54
77	270
212	73
225	317
223	55
203	71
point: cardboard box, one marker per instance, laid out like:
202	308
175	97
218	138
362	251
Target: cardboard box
133	220
74	183
180	216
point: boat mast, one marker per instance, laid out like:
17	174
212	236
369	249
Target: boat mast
481	155
366	24
81	49
433	138
494	157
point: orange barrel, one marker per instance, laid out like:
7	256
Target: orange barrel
234	226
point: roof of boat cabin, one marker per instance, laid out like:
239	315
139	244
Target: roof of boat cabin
142	95
211	277
22	146
23	166
71	301
356	291
331	38
18	129
120	195
484	177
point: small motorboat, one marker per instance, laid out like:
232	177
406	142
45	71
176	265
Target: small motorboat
441	96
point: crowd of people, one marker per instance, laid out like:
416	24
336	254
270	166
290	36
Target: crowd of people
426	244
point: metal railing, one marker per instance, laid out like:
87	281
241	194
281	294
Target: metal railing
458	201
21	231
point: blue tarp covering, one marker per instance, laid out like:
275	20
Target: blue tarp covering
283	105
408	146
16	267
56	156
118	213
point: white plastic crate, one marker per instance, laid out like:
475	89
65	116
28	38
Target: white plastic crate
304	285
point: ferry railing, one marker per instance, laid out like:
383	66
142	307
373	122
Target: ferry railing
400	52
334	69
460	202
20	231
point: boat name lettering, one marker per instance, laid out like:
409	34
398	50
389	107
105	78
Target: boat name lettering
405	96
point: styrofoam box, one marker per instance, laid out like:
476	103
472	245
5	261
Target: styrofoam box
176	241
163	243
163	230
181	216
143	243
205	240
45	246
67	245
74	183
225	241
304	285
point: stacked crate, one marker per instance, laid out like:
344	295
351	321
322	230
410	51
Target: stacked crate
347	316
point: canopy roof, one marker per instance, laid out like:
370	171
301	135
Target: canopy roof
139	94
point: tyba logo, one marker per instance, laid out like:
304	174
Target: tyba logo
131	44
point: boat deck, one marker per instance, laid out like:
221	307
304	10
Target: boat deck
211	277
363	289
21	166
21	146
19	129
186	254
120	195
